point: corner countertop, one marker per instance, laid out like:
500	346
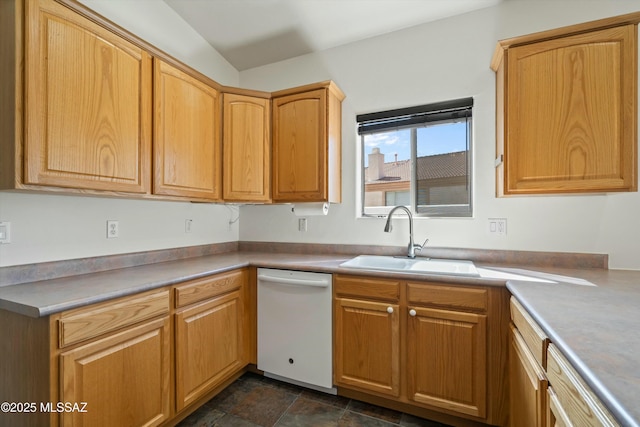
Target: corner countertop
598	331
47	297
596	327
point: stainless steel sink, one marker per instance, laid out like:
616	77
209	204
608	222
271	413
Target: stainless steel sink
413	265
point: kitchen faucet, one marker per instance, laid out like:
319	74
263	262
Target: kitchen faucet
411	247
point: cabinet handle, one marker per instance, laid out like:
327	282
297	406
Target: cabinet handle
412	313
389	310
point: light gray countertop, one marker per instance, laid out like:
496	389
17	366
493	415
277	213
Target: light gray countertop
598	331
46	297
596	327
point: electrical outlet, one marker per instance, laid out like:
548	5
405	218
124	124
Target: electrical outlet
5	232
302	224
113	229
188	223
498	226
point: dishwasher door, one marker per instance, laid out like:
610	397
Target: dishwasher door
295	327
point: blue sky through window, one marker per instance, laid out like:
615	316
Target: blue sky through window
434	139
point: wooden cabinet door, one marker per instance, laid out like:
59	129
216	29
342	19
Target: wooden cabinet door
571	113
556	415
300	147
209	346
123	378
528	386
446	360
87	104
187	147
246	148
367	345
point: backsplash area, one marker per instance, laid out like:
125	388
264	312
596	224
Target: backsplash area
14	275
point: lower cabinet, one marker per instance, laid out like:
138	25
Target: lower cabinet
123	378
209	345
546	391
367	335
528	384
141	360
574	403
446	360
527	377
428	345
447	347
556	416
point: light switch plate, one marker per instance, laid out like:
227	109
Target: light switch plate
498	226
5	232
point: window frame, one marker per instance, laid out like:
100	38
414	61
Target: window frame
413	118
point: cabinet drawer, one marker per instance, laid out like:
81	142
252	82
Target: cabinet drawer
201	289
447	296
579	402
85	323
367	287
536	339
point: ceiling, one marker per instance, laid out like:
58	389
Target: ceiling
251	33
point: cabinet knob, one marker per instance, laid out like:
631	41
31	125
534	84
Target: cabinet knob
389	310
412	313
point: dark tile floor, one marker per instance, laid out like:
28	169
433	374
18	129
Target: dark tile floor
254	400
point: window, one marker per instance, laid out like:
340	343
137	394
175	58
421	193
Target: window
419	157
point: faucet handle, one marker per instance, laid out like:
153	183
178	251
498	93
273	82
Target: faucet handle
420	247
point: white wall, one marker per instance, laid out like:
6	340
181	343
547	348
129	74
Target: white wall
55	227
433	62
155	22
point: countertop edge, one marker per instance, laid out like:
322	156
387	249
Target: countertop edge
603	393
12	297
45	310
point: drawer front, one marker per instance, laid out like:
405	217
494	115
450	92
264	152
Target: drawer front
536	339
367	287
581	405
85	323
202	289
443	296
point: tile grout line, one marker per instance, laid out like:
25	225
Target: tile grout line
318	401
298	392
371	416
285	411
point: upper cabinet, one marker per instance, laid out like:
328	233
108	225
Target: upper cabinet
307	134
103	112
246	147
87	104
187	150
567	109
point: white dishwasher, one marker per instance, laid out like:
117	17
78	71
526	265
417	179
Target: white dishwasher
295	327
